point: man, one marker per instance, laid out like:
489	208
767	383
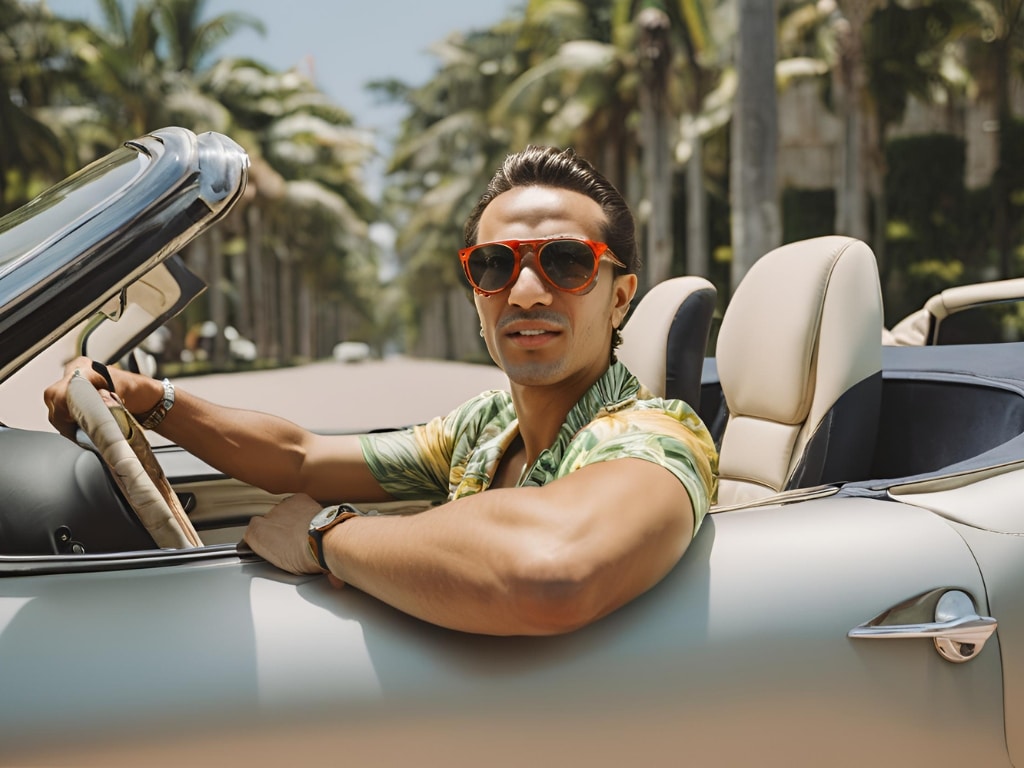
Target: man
593	488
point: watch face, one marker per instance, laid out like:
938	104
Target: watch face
324	517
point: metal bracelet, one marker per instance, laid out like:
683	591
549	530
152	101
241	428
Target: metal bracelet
159	412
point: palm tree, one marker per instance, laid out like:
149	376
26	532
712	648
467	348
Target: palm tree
701	31
681	60
909	52
654	54
880	55
596	67
307	213
756	223
190	38
34	67
446	150
997	54
850	77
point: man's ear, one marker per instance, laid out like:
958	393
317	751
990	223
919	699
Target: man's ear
623	293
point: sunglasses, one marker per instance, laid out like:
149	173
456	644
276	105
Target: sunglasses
567	263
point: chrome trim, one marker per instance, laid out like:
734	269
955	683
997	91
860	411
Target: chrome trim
958	632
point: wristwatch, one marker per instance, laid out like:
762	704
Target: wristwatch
325	519
151	419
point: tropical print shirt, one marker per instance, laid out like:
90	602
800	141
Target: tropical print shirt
457	455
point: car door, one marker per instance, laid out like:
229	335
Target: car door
766	652
740	656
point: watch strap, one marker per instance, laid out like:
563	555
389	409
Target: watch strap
152	418
315	539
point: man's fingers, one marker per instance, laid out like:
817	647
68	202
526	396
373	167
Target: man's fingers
56	395
335	581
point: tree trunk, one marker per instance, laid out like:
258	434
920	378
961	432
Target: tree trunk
242	291
307	318
851	85
260	315
1001	204
655	57
218	302
286	294
697	262
756	227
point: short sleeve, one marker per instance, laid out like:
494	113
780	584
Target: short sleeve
426	461
671	436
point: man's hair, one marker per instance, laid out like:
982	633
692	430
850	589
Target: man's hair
563	169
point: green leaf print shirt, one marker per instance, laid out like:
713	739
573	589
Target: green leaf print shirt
457	455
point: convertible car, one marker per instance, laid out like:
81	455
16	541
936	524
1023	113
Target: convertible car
856	597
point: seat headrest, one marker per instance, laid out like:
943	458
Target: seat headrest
665	338
806	316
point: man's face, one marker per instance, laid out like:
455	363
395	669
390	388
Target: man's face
536	333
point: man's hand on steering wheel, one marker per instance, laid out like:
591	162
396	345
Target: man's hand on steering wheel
136	392
83	399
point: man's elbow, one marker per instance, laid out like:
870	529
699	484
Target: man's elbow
567	589
555	597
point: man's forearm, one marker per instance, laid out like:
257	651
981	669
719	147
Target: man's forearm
521	561
259	449
468	574
270	452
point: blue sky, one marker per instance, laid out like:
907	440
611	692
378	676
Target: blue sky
349	43
345	43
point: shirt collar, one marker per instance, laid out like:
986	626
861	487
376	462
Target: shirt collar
616	390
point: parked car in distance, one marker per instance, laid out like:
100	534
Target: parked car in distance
351	352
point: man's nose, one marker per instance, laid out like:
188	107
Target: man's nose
529	289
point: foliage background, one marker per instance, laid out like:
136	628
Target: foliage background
906	96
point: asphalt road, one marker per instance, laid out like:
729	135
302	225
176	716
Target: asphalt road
354	396
327	395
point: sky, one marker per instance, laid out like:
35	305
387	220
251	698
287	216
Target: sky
344	44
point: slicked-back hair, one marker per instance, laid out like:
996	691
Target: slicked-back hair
563	169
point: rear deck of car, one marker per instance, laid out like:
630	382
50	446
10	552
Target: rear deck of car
943	409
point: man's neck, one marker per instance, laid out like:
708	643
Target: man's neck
542	412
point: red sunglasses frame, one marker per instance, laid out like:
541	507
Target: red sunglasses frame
600	250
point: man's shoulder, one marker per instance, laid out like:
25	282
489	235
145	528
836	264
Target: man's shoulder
488	401
493	406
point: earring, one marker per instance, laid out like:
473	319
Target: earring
481	331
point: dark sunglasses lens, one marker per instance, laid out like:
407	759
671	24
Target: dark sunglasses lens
491	266
569	264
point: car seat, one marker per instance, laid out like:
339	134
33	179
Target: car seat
799	359
664	340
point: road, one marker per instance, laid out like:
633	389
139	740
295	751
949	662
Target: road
357	396
327	395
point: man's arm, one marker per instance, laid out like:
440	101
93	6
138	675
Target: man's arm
529	561
263	450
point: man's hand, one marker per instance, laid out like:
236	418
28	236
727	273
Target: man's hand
282	536
136	392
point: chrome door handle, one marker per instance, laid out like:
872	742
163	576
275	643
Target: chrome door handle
958	631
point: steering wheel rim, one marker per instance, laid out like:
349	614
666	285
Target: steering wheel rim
123	446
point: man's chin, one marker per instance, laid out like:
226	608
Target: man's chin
534	374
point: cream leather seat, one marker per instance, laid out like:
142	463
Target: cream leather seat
799	360
665	338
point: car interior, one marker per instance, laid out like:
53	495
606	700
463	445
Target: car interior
815	428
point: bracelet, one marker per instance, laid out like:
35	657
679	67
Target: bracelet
152	418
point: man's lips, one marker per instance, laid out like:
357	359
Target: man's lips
533	330
531	339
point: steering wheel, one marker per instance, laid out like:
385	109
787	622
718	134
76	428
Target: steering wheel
122	444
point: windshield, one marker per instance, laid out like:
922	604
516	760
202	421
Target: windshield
49	216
